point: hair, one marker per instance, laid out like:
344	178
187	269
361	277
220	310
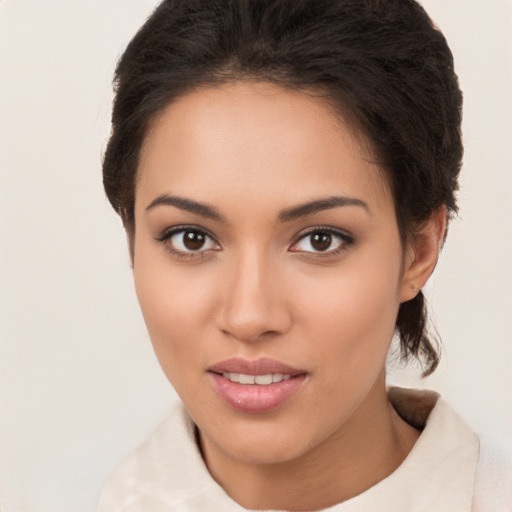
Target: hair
381	63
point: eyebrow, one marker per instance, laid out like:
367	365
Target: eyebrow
286	215
319	205
189	205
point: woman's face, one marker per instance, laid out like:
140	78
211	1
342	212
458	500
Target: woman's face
266	244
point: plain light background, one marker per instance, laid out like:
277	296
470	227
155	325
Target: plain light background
79	384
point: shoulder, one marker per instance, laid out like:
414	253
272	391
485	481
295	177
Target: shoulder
167	472
452	451
126	484
493	480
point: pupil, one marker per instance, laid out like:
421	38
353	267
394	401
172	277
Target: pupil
321	241
193	240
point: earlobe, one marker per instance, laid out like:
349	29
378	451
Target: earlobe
422	255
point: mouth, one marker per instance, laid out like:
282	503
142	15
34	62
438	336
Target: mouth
260	380
255	386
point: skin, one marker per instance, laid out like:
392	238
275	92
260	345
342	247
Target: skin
259	288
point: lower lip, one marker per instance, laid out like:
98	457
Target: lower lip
253	397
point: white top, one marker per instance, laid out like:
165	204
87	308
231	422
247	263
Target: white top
448	470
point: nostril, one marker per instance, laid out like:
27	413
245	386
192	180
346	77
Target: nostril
251	309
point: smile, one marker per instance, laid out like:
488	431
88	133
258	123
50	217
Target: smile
256	386
261	380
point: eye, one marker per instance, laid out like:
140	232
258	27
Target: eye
188	240
322	241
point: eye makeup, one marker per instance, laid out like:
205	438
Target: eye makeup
322	241
188	241
192	242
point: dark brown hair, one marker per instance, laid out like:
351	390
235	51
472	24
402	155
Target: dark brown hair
382	63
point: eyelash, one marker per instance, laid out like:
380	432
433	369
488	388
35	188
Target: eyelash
345	241
169	233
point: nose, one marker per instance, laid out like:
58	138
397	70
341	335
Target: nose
254	304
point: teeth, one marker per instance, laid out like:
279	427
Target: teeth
233	377
261	380
246	379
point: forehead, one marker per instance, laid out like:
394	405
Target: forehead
256	138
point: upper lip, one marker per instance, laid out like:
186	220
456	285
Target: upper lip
261	366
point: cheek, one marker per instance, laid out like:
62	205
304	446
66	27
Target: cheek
175	307
351	314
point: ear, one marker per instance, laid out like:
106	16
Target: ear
422	254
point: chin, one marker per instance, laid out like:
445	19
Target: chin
260	442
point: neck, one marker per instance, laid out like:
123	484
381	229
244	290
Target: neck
360	454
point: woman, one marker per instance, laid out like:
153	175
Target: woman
285	171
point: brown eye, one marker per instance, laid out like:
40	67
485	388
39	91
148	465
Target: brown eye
191	240
321	241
